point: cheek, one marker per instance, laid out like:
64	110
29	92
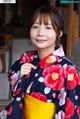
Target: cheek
32	34
52	36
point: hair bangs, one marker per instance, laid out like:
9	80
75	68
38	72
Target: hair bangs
43	18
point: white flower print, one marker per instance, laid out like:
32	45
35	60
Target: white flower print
29	87
14	76
15	88
41	79
49	100
18	99
64	66
14	79
60	115
47	90
62	97
3	114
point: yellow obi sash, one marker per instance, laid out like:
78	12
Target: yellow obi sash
37	109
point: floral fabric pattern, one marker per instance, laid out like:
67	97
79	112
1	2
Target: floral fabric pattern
55	80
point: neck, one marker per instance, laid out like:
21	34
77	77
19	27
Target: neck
43	52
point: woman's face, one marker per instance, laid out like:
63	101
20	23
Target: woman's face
43	35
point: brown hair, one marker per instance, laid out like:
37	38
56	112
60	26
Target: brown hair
56	18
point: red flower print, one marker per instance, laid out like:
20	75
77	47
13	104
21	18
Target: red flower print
54	95
54	77
78	111
69	109
10	71
28	57
22	95
72	76
17	92
39	96
27	76
21	106
10	110
48	60
78	80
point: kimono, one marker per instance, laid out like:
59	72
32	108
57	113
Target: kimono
55	80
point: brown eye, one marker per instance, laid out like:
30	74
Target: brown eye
49	27
34	27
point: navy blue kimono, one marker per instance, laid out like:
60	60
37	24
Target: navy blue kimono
55	80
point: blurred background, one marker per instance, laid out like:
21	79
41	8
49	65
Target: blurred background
14	19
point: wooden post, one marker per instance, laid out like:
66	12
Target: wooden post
79	17
69	33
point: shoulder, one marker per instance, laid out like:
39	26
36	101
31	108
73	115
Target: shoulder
24	58
27	56
67	61
30	52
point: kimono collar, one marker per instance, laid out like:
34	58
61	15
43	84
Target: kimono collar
59	52
52	58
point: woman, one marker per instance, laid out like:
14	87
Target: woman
44	83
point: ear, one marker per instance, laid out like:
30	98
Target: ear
61	33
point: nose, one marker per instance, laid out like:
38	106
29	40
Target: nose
41	31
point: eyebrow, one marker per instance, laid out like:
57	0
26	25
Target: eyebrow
46	23
36	22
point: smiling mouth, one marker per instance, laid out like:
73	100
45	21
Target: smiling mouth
41	41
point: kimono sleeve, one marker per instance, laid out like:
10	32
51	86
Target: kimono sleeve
13	74
71	107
